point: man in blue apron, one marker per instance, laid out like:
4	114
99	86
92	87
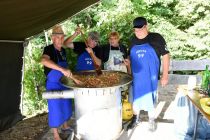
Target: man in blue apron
84	60
55	66
145	51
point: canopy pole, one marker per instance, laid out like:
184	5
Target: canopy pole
12	41
46	37
62	94
25	44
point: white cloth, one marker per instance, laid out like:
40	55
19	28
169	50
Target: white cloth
115	61
184	120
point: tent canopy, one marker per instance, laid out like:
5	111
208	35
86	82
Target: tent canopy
21	19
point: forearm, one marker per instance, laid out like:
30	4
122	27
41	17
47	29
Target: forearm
50	64
165	64
69	40
128	65
129	69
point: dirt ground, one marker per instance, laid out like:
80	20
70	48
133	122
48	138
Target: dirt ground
28	129
36	127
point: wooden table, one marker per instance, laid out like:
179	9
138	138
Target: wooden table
194	97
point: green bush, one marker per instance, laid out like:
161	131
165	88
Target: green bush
184	24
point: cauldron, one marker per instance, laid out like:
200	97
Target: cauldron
98	111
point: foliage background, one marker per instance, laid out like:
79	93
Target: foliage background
184	24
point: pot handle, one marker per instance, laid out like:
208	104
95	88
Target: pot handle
63	94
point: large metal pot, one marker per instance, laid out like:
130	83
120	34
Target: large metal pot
98	110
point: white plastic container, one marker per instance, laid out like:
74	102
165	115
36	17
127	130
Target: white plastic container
98	113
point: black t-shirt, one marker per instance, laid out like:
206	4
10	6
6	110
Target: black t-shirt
106	49
155	40
79	48
54	55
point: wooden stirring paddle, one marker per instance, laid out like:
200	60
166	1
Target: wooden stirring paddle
97	67
78	82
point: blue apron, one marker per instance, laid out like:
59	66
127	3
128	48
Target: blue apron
60	110
145	67
84	62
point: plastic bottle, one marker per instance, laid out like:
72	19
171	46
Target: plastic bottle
209	87
205	78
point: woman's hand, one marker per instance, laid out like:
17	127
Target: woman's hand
77	31
89	50
127	62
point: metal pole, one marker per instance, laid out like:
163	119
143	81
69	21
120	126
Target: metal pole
63	94
25	44
46	37
12	41
196	124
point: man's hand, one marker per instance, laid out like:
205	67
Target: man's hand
164	81
66	72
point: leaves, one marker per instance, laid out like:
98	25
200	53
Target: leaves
184	24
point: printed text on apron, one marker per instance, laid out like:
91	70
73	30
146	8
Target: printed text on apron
84	62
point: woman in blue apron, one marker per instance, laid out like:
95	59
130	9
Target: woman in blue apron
84	61
54	60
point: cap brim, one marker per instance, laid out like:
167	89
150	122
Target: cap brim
58	33
138	26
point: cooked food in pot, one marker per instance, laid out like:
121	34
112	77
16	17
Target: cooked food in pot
99	81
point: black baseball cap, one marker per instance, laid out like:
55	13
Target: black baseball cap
139	22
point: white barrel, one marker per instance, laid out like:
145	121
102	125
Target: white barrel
98	113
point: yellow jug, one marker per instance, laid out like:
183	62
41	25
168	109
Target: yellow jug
127	110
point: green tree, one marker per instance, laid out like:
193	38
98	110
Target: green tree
184	24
